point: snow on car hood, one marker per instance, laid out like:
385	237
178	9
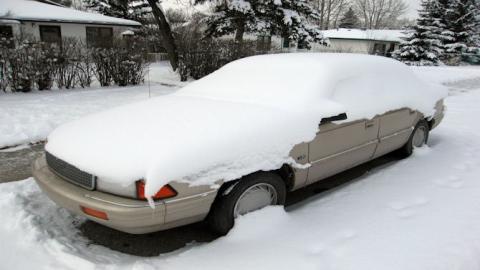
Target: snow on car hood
243	118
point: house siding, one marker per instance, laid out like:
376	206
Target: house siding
68	30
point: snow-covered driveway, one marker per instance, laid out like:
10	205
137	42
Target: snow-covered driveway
420	213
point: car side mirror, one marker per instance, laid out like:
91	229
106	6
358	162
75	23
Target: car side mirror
340	117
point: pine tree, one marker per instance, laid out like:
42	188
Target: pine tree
424	45
441	14
349	19
286	18
136	10
463	25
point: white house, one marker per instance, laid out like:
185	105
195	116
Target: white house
50	23
378	42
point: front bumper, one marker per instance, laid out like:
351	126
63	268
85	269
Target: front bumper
439	115
124	214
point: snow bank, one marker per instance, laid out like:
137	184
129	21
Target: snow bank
447	75
243	118
419	213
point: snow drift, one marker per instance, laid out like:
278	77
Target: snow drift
243	118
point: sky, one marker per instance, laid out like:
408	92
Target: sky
411	13
414	5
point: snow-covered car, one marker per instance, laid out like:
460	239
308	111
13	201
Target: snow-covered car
237	140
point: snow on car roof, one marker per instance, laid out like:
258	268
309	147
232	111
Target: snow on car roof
30	10
245	117
360	34
302	81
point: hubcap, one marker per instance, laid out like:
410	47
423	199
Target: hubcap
419	137
254	198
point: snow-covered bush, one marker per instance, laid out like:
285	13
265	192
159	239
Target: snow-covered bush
102	59
205	56
130	64
122	64
3	69
21	67
67	63
32	64
85	70
201	56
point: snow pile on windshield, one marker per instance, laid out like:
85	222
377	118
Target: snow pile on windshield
243	118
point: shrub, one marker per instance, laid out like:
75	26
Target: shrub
130	65
67	63
200	57
102	61
44	66
35	64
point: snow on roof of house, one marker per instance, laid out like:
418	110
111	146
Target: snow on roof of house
359	34
30	10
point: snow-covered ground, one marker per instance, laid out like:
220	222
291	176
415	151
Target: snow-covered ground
30	117
420	213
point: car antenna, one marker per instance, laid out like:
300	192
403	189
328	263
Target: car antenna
148	82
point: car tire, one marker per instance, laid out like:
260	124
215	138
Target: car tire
231	197
418	138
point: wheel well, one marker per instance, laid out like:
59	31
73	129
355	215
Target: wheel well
287	174
430	122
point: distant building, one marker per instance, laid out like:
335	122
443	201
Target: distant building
377	42
48	22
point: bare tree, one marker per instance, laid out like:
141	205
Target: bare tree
380	13
329	11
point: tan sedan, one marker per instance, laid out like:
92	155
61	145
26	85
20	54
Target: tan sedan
337	147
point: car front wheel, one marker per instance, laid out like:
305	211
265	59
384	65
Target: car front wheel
251	193
418	138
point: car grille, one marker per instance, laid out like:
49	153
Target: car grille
70	172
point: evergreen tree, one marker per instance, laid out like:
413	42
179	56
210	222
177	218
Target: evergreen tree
137	10
349	19
286	18
463	25
441	14
424	45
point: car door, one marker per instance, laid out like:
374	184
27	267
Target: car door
395	130
338	147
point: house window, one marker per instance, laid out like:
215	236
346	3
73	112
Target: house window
379	49
100	37
6	36
51	34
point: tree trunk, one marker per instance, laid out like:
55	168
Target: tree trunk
240	31
165	33
322	14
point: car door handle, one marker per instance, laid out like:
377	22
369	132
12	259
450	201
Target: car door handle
369	124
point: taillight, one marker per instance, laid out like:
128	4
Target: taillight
164	193
94	213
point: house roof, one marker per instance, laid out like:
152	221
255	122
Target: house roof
359	34
30	10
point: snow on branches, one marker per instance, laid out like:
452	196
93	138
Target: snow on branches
445	30
286	18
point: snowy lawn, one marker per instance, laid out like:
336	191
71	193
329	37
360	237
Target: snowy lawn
30	117
420	213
